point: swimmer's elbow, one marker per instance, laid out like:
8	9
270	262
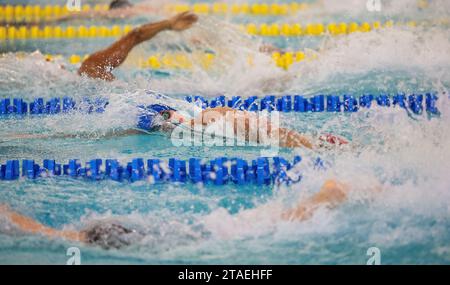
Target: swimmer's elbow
94	72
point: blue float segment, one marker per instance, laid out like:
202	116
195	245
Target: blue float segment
19	107
366	101
431	103
383	101
178	170
99	105
113	170
333	103
155	170
250	104
218	102
280	168
415	103
262	171
108	166
309	105
284	104
238	169
53	106
201	102
137	169
350	104
300	104
68	105
235	102
250	174
93	169
295	177
2	171
268	103
37	106
317	104
399	100
86	106
29	169
4	106
12	170
82	172
123	172
220	170
195	170
51	168
73	168
207	173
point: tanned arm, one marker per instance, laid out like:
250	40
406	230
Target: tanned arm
29	225
331	195
100	64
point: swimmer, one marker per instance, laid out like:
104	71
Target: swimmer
100	64
163	118
114	235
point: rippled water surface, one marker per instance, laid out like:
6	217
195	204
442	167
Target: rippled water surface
407	156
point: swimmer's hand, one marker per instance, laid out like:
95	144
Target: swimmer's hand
182	21
331	195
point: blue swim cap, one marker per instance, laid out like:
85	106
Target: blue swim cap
147	115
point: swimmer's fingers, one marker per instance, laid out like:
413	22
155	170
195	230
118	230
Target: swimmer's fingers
300	213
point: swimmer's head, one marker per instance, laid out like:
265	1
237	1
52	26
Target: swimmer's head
110	236
154	115
119	4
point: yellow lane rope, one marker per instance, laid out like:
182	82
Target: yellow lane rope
37	13
266	30
187	61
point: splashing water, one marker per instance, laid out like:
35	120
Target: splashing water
407	157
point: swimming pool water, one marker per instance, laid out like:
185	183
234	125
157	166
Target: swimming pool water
407	156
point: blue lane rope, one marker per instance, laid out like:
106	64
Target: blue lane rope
321	103
219	171
288	103
53	106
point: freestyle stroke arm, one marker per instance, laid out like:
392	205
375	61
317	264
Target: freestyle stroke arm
287	138
100	64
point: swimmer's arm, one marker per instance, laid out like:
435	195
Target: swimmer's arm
292	139
29	225
287	138
331	195
100	64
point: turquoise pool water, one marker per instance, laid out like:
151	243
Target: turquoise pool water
405	155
